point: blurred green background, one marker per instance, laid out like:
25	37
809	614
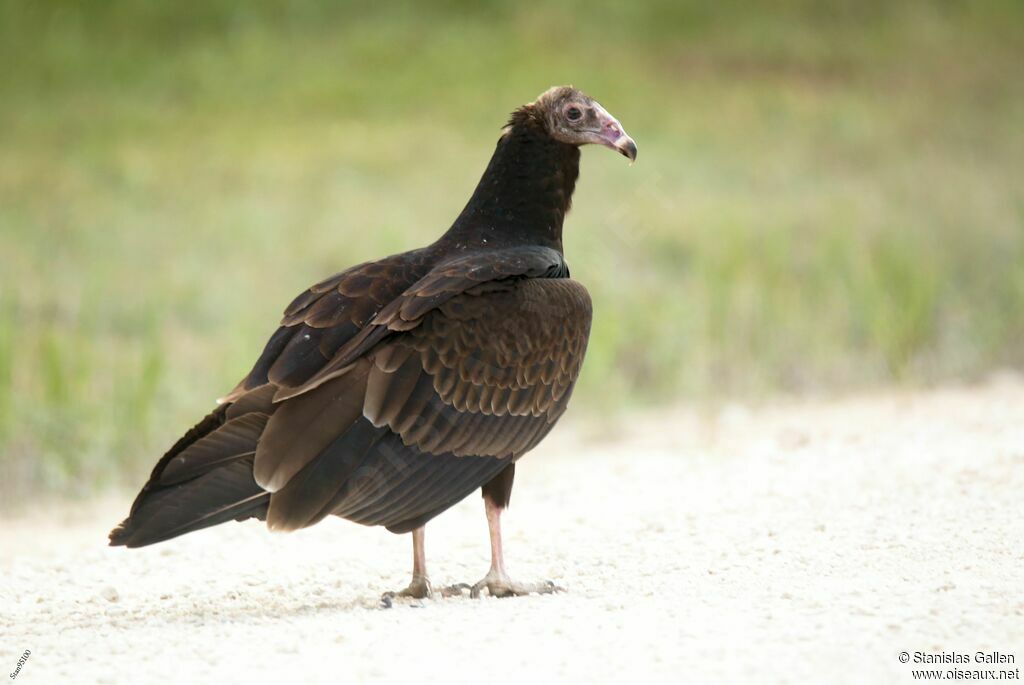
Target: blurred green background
829	195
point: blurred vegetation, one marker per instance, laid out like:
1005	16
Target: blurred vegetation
828	194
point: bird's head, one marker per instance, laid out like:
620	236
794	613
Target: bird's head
573	117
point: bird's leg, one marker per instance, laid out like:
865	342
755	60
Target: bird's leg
497	582
419	586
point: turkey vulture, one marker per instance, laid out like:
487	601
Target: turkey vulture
394	389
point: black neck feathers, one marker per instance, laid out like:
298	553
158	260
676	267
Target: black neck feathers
525	191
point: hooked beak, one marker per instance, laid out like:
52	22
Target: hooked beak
611	134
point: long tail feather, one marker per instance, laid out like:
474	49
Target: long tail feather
204	480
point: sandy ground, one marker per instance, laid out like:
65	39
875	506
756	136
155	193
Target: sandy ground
794	542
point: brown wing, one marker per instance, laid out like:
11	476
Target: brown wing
432	410
448	279
485	374
207	476
321	320
390	392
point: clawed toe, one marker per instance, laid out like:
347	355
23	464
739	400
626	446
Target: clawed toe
506	587
457	590
419	588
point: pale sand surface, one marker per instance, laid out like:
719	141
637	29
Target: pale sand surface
794	542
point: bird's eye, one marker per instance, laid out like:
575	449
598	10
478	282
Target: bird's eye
573	113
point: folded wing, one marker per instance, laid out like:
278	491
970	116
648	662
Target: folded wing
452	381
389	393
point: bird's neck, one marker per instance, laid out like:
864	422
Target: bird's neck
524	194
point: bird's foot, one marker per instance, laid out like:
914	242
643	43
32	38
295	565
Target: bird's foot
457	590
419	588
500	585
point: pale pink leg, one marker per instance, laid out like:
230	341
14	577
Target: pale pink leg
419	587
496	581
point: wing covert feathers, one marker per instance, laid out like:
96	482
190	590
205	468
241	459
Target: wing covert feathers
483	374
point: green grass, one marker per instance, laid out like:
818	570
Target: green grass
828	195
